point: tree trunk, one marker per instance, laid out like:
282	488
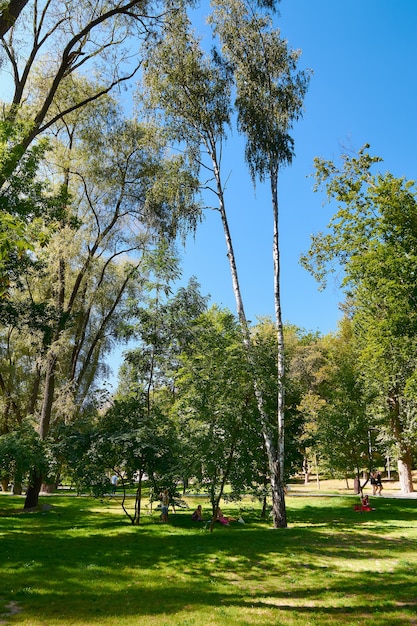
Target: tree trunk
32	494
263	512
276	476
222	485
48	397
404	452
306	470
138	499
49	383
5	483
281	511
404	473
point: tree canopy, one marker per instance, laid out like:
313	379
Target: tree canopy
372	238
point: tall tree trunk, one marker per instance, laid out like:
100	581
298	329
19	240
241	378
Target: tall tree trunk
263	512
404	472
35	391
48	397
276	477
32	494
306	470
33	491
278	321
404	451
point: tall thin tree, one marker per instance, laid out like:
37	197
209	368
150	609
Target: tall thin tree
269	97
194	94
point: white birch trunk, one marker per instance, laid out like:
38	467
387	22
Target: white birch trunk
277	487
279	324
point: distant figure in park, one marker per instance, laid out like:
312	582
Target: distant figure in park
364	505
379	486
222	519
164	505
197	516
373	483
113	480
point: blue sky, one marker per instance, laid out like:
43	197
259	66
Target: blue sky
363	90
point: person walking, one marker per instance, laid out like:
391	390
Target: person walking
373	483
379	486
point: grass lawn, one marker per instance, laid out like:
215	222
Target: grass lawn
81	563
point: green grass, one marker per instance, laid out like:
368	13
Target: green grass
81	563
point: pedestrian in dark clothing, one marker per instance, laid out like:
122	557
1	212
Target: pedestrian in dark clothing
379	486
373	483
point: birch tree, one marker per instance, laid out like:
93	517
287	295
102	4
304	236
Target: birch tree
193	93
269	97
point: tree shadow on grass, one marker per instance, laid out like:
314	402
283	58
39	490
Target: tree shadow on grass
82	563
139	598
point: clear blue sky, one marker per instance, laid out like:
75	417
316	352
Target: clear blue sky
363	90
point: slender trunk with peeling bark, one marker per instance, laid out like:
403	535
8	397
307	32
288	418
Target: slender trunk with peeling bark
280	347
278	321
277	488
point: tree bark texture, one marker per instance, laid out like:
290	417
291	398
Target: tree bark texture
278	322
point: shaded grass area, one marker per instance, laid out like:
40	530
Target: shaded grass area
81	563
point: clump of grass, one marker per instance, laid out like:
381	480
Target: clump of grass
81	562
